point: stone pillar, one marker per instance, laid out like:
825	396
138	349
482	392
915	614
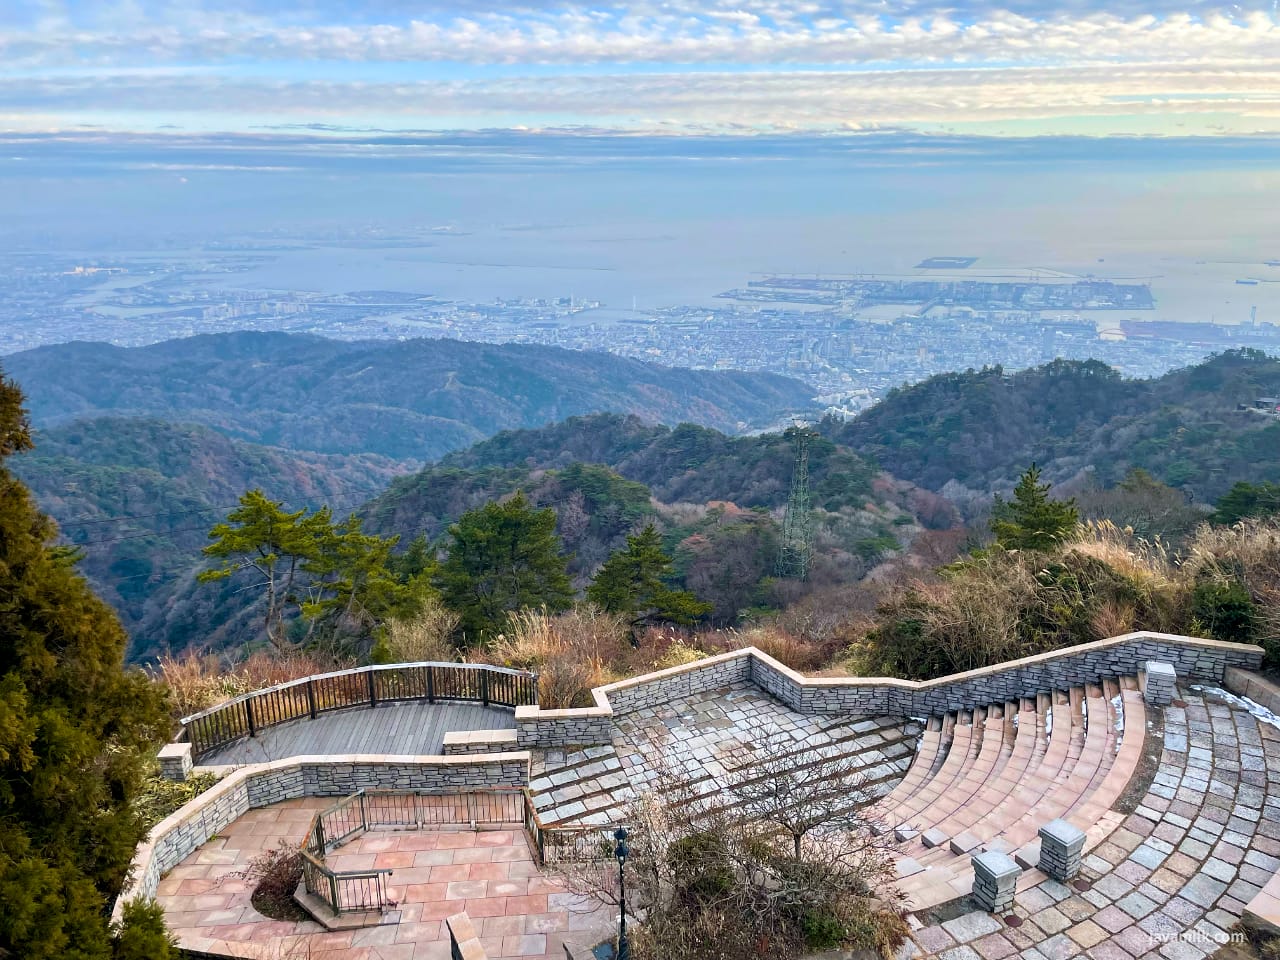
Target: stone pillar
995	880
1159	685
1061	850
175	761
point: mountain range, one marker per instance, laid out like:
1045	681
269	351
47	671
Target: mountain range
409	400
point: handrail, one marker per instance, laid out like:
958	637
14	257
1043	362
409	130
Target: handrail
487	667
244	715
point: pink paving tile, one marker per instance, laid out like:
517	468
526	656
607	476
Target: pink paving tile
466	889
421	931
450	872
504	926
432	951
398	951
527	945
527	905
394	859
433	858
439	909
510	853
489	871
487	907
546	922
455	841
508	888
425	892
417	841
495	838
473	855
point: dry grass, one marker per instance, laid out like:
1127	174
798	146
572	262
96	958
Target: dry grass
425	638
197	681
571	652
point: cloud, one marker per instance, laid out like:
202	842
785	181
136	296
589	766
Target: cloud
691	65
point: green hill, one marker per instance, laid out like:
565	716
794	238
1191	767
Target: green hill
139	496
982	428
416	399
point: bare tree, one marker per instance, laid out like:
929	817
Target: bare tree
797	792
712	878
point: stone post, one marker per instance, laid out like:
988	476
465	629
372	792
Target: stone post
1159	685
1061	850
995	880
175	761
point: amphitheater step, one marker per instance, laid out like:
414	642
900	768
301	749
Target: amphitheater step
1066	753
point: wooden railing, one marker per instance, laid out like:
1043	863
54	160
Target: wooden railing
309	697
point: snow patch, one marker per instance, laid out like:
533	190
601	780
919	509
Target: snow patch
1117	704
1258	710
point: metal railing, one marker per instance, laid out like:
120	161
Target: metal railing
552	845
309	697
348	891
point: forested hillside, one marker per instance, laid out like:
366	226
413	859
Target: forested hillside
980	429
417	399
138	497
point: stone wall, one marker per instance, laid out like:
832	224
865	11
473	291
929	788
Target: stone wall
258	785
536	727
1191	658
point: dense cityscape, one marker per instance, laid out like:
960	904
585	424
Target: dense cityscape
851	339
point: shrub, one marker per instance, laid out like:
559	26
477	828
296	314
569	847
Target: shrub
142	934
160	797
571	652
276	875
197	681
423	639
1225	609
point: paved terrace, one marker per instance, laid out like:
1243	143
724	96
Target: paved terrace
698	736
403	729
489	874
1174	879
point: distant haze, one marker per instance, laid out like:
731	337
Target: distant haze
665	220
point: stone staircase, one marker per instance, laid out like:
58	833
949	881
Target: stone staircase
989	778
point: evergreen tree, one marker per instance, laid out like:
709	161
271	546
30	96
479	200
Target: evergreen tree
329	572
74	730
503	557
143	935
633	582
1031	520
1247	500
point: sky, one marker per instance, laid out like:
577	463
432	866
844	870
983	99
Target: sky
693	68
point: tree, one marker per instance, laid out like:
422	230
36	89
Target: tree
75	727
772	788
1032	521
632	582
274	545
503	557
1246	501
142	934
709	880
306	563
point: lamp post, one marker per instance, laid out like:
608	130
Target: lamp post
620	852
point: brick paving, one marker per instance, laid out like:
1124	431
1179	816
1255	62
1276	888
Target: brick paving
702	735
1171	881
490	875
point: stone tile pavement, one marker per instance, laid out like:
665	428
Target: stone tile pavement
1172	880
489	874
699	736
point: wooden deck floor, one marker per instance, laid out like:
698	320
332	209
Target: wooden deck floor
393	728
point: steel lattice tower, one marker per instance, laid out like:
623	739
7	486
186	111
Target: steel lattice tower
797	523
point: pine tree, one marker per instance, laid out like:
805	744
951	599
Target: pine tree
503	557
633	582
74	729
1031	520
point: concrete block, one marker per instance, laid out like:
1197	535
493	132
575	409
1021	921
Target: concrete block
175	761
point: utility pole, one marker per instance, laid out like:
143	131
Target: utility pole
796	550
